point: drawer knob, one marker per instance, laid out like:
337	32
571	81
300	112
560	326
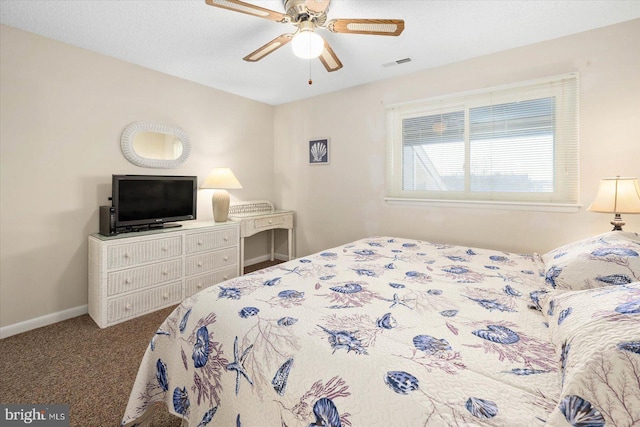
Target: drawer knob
199	286
165	249
128	280
199	263
127	255
270	221
226	258
225	238
165	272
200	243
128	307
225	277
165	296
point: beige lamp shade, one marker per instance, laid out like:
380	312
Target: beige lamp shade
617	195
221	179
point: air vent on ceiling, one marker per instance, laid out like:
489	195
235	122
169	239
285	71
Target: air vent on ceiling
398	62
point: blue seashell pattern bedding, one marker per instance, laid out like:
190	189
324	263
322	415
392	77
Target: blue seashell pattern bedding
392	332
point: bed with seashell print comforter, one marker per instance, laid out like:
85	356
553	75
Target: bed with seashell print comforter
379	332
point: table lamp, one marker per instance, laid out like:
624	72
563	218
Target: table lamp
618	196
221	180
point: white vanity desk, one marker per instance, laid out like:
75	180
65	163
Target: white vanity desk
257	216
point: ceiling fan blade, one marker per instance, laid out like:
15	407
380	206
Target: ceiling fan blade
377	27
317	6
329	58
265	50
249	9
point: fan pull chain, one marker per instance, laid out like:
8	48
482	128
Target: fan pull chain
310	81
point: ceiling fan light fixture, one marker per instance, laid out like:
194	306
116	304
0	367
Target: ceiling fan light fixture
307	44
307	15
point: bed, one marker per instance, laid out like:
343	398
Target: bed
397	332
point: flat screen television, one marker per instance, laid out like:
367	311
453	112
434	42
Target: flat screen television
153	201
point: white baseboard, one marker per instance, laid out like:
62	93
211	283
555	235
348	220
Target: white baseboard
38	322
49	319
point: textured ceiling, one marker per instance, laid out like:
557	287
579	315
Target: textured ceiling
197	42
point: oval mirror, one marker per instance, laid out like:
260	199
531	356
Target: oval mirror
155	145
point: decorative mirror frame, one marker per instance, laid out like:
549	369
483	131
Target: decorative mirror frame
126	144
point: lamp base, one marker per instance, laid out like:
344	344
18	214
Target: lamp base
220	205
617	223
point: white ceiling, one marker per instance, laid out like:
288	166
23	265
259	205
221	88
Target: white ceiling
197	42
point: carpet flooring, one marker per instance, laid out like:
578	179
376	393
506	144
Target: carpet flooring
75	362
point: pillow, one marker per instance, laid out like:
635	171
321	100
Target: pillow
597	337
611	258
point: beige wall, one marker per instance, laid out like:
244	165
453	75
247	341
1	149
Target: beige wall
343	201
62	111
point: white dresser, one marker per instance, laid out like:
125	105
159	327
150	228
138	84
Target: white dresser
133	274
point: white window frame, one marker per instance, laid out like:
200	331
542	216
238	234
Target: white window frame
564	198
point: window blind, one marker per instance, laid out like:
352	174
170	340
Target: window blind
508	143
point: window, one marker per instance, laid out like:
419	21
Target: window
510	144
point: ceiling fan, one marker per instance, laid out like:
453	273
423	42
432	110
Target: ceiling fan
307	15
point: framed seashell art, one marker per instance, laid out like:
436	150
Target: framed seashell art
319	151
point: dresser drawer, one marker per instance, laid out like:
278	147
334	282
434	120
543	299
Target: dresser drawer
197	283
206	241
133	274
141	277
126	255
143	302
196	264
